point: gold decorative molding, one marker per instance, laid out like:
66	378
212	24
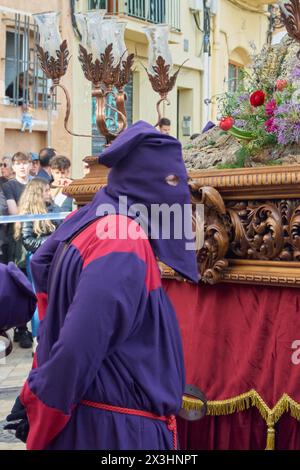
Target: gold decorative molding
252	183
262	272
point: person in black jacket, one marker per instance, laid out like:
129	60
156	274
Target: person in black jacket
3	211
18	89
36	199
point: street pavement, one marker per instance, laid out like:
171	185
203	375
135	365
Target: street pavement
13	372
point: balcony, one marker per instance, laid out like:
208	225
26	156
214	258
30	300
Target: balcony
258	2
152	11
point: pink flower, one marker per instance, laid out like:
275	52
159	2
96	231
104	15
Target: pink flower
281	85
270	107
270	126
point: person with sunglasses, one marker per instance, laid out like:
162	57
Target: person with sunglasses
6	171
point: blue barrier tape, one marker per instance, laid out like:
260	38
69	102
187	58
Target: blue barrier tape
11	219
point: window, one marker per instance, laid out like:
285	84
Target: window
235	76
151	10
25	83
97	4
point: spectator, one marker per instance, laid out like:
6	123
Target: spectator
61	169
45	156
34	164
164	126
14	187
36	199
22	94
6	171
3	211
13	190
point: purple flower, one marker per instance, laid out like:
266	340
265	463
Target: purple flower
235	113
296	73
243	97
241	123
286	123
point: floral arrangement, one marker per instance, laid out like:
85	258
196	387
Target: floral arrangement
265	110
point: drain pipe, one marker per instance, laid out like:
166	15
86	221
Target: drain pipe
206	63
216	59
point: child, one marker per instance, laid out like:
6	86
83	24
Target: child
27	120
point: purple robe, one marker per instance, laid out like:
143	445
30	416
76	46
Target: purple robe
109	333
17	299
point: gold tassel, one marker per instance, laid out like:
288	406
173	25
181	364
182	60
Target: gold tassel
271	435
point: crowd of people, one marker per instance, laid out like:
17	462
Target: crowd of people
31	184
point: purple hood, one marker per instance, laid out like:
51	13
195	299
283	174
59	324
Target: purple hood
140	160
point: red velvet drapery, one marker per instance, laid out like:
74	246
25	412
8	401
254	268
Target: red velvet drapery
241	340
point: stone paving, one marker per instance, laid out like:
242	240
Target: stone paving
13	372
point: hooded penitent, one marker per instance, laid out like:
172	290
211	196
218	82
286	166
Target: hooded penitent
17	299
140	160
109	336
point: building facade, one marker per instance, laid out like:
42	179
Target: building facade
213	36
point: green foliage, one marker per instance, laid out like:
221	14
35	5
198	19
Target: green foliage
241	157
275	162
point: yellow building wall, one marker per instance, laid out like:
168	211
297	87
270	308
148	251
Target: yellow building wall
233	27
236	25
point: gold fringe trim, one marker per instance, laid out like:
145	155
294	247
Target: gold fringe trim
189	403
243	402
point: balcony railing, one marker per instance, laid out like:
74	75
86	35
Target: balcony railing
153	11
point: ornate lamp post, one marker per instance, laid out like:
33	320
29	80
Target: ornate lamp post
103	59
160	63
107	65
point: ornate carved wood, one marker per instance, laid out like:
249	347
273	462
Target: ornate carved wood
251	226
290	16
